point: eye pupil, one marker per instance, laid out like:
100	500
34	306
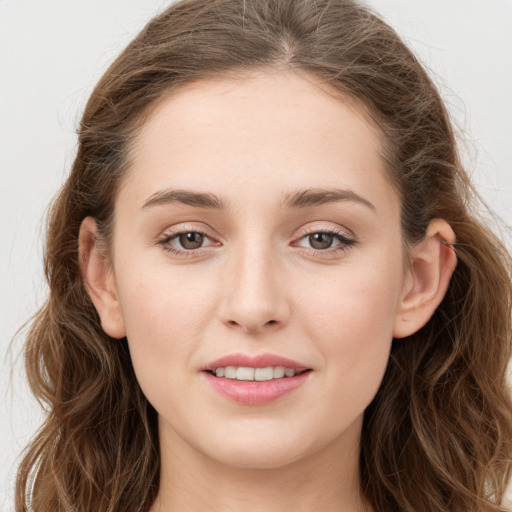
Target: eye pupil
191	240
321	240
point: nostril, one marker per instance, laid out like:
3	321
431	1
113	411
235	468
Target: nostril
252	327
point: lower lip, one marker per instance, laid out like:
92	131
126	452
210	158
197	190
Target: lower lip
256	392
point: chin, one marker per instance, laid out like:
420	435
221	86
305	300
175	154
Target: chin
261	451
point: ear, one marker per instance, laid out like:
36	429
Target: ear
99	279
432	264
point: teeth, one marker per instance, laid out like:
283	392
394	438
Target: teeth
279	372
230	372
258	374
264	373
245	373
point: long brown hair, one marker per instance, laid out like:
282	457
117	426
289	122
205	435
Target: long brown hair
438	435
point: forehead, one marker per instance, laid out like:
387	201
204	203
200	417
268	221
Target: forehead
282	128
252	101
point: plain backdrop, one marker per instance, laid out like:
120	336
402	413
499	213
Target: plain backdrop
51	54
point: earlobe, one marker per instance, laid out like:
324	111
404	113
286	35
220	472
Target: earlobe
432	264
99	280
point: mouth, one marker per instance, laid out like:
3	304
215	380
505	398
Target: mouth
254	367
255	380
247	373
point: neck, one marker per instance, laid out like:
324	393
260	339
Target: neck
328	480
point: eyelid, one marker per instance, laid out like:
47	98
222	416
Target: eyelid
173	232
185	227
336	229
344	236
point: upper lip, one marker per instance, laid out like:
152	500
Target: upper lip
254	361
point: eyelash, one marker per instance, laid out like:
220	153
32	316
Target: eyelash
344	242
165	243
342	237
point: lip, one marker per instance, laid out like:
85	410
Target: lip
256	361
255	392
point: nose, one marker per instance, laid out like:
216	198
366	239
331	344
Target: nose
254	299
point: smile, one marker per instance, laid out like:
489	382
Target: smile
258	374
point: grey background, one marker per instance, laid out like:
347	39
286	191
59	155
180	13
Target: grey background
51	54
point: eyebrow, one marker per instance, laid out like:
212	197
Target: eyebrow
197	199
316	197
303	198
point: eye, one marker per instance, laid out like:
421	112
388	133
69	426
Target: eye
321	241
191	240
185	242
325	241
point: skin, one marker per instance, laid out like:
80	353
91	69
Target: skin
256	285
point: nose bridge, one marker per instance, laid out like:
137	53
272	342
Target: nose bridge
254	298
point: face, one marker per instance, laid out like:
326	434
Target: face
256	222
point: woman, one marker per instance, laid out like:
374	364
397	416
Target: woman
268	286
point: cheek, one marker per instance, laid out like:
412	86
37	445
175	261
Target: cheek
351	303
166	313
159	298
351	319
